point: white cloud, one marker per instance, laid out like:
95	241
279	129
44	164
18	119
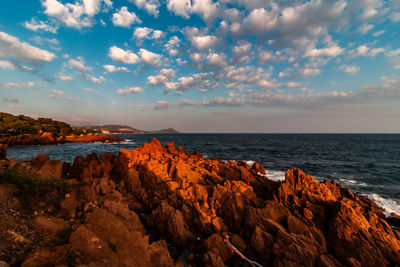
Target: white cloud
94	79
19	85
35	25
164	76
130	90
350	69
119	55
365	51
217	60
205	8
378	33
306	72
180	7
57	92
149	57
78	63
92	105
151	6
365	28
292	85
147	33
124	18
204	42
5	64
66	78
172	46
42	40
259	21
112	68
78	15
241	53
395	16
10	46
332	51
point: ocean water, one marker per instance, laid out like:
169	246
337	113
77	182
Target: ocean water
368	164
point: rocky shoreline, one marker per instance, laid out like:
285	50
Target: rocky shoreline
46	138
161	206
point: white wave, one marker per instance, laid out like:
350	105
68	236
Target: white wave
278	176
389	205
127	142
249	162
351	182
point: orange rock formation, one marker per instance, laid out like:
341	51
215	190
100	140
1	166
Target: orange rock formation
161	206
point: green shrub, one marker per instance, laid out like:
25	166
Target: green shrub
32	186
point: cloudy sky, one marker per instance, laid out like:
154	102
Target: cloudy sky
204	65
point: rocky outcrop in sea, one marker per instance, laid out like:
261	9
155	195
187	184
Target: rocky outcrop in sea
161	206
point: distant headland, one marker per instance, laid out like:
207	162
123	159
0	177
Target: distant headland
25	130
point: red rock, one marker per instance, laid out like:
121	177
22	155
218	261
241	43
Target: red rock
154	202
51	169
3	151
257	168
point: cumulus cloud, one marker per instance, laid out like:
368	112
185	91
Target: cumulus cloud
241	53
60	95
260	20
112	68
119	55
306	72
217	60
332	51
124	18
147	33
5	64
204	42
172	46
129	90
151	6
65	78
149	57
180	7
11	47
79	64
94	79
365	51
78	15
365	28
164	76
19	85
35	26
350	69
207	9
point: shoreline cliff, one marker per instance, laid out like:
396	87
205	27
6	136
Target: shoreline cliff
160	206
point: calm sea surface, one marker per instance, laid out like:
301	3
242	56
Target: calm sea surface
366	163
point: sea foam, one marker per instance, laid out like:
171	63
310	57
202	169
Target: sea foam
389	205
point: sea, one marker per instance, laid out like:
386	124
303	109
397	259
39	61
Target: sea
368	164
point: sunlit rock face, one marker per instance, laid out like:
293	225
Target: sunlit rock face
160	206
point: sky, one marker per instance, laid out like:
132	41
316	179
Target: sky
204	65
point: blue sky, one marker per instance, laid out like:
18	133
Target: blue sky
204	65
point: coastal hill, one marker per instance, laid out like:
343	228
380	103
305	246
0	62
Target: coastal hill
24	130
161	206
123	129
